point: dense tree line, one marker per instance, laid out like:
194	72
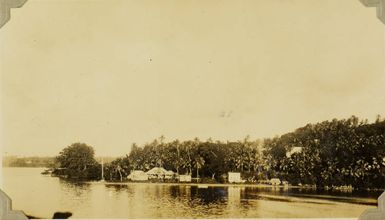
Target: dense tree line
330	153
198	158
333	153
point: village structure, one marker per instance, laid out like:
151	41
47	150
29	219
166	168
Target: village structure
157	173
160	173
234	177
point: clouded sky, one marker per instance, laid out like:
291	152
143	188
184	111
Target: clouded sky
113	72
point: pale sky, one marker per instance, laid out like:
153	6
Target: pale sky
113	72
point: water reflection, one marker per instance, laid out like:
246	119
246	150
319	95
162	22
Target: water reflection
78	192
209	195
234	195
75	189
233	200
138	200
116	188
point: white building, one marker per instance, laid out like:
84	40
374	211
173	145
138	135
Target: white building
169	174
160	173
275	181
234	177
185	178
137	175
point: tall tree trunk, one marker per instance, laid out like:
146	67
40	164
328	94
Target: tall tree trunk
120	174
189	159
197	173
177	166
249	165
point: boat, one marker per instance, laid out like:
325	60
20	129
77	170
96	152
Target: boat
47	172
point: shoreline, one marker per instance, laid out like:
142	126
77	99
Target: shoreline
256	185
201	184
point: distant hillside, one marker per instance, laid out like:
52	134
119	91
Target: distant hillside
14	161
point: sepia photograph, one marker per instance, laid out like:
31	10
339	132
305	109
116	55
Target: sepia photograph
182	109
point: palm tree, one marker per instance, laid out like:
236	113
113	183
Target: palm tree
119	170
161	149
178	155
199	162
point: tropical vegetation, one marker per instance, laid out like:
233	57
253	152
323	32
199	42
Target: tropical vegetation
326	154
77	162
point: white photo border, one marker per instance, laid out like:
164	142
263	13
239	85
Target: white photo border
6	211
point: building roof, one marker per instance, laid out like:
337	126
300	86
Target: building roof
159	171
137	172
137	175
293	151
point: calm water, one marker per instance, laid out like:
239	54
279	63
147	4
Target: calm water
41	196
